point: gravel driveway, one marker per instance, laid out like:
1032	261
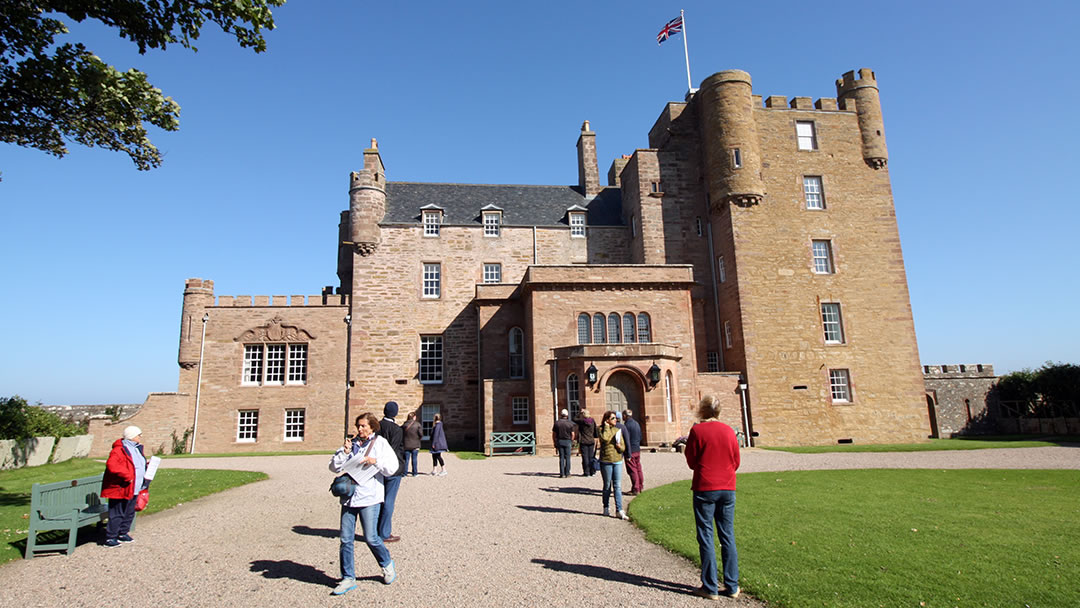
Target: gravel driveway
500	532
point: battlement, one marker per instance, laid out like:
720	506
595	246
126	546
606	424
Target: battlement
199	285
963	370
294	301
848	82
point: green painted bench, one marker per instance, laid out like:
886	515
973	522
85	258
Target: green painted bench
517	441
64	505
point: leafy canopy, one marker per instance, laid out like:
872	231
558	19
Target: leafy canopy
20	420
52	92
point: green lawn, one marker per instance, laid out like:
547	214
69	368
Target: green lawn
170	488
980	443
920	538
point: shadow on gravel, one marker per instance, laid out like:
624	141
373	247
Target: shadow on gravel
550	509
323	532
289	569
608	574
575	490
533	474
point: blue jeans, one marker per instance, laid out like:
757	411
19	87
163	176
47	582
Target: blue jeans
386	514
368	517
410	457
564	446
718	505
612	474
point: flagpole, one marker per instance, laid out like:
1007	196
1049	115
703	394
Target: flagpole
686	51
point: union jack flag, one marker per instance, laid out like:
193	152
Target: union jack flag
673	27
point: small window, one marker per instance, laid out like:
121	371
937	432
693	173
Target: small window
432	221
668	401
517	353
614	332
247	426
721	270
492	223
253	360
712	361
294	425
297	364
822	253
583	335
431	359
727	334
629	328
599	329
655	187
520	406
644	332
839	385
275	364
806	134
832	323
432	280
573	395
493	273
736	158
577	225
427	419
698	225
815	194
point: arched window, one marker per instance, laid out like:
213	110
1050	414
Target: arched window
613	334
598	331
667	398
573	395
644	335
583	328
517	353
629	328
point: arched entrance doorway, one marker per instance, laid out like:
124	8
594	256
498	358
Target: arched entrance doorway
624	391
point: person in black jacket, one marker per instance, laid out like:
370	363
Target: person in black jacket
391	432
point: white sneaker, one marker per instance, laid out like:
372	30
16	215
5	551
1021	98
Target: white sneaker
389	574
442	473
346	585
622	515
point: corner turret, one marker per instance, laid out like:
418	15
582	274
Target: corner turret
367	201
198	296
732	156
864	92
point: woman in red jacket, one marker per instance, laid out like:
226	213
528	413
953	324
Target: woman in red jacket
121	484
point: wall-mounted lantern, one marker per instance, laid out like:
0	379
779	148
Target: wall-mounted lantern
654	374
591	375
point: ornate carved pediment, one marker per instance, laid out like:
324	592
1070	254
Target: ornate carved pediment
277	330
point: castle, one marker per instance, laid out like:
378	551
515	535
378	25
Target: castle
751	252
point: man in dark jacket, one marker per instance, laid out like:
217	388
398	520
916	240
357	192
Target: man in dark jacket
391	432
562	435
586	432
633	453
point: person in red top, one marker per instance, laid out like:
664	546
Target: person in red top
121	484
712	451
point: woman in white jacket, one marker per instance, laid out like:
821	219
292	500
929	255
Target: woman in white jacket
367	458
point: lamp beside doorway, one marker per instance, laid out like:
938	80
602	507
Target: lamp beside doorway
654	374
591	375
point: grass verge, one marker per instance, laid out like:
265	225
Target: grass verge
170	488
923	538
981	443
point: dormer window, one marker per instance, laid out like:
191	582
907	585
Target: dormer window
492	223
432	219
577	224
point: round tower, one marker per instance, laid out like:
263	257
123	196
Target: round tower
198	296
732	154
864	91
367	201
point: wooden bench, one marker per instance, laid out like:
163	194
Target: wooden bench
518	441
64	505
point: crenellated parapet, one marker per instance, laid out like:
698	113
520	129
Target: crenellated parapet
367	202
962	370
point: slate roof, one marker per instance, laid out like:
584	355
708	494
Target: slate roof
520	205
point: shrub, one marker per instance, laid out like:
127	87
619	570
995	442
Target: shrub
20	420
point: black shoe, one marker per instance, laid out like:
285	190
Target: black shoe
111	542
124	538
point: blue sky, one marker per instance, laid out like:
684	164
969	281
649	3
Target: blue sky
977	97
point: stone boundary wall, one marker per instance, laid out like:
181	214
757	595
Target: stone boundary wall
19	453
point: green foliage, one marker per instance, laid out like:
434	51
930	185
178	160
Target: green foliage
20	420
179	444
51	92
170	488
1052	390
892	537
